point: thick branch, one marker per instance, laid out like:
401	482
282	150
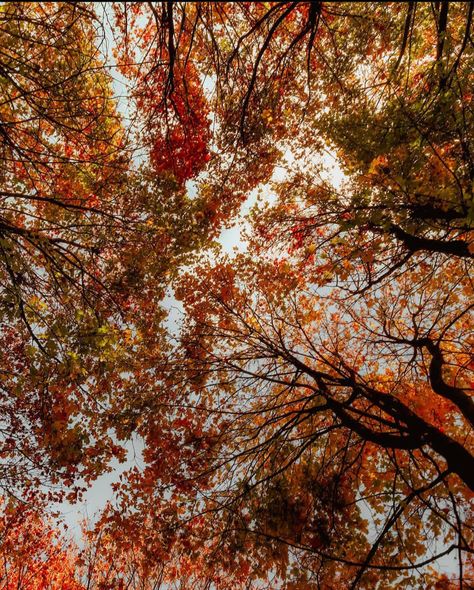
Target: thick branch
384	439
463	401
458	458
415	243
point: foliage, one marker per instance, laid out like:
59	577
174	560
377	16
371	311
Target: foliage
310	423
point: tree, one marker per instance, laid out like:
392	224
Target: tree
34	555
312	425
81	288
315	419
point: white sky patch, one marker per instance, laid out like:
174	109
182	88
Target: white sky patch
232	239
99	493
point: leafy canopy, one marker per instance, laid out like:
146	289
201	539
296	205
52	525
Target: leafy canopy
309	423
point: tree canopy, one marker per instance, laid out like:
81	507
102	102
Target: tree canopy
307	421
